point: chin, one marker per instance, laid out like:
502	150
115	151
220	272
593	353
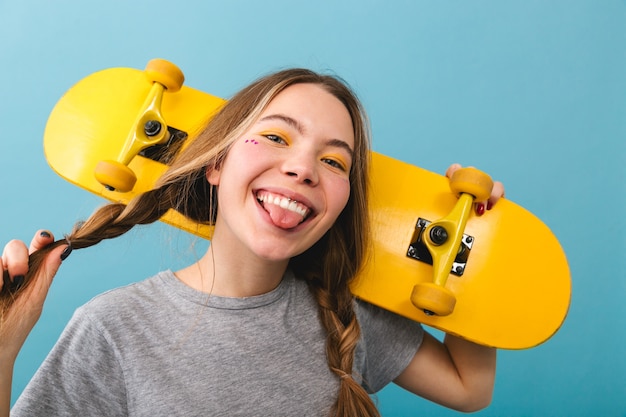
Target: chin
275	255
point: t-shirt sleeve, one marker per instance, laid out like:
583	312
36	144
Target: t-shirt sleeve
389	343
81	376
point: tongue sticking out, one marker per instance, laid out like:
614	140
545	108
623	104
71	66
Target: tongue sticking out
284	212
283	217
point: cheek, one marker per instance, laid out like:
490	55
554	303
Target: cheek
244	157
249	150
341	194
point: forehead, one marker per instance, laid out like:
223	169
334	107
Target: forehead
315	109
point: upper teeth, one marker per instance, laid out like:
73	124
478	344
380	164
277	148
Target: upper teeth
283	202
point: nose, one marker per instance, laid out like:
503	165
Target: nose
302	168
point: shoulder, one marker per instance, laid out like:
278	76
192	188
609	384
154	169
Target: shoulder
120	295
387	346
162	284
372	318
132	302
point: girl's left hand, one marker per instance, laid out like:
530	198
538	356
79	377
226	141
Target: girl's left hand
497	192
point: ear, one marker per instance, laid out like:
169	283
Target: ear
213	176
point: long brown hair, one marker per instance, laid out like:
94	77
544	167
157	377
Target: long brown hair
328	266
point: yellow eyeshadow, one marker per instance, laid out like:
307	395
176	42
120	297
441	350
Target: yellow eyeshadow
276	132
340	159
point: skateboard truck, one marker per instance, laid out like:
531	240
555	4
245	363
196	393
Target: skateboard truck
418	250
149	128
165	152
445	242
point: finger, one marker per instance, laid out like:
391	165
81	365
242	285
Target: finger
41	239
497	192
15	258
452	169
48	270
6	279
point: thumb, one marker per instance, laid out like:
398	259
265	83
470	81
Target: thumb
43	279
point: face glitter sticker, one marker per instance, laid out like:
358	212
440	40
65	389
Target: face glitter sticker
252	141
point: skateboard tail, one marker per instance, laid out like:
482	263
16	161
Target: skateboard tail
514	292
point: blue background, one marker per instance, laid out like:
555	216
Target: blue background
533	92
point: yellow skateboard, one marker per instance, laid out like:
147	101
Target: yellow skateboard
499	280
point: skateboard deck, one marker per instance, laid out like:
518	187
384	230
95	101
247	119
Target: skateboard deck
507	285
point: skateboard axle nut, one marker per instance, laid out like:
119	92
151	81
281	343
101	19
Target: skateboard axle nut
152	127
438	235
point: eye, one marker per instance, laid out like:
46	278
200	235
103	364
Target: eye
337	164
275	138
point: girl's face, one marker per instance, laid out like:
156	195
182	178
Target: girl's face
286	180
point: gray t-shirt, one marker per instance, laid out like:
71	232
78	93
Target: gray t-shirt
161	348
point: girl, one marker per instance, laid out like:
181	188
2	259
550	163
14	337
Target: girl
264	323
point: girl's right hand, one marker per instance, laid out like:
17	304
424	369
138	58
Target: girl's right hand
20	318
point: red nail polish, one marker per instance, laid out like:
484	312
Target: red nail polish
480	209
489	205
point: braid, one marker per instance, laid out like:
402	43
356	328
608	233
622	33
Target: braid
327	273
343	335
107	222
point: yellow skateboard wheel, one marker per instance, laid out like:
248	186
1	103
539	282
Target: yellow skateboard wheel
165	73
115	176
471	181
433	299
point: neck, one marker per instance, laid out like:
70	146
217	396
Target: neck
219	273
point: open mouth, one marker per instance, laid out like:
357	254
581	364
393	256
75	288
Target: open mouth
285	212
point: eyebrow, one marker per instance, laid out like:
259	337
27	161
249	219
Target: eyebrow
337	143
